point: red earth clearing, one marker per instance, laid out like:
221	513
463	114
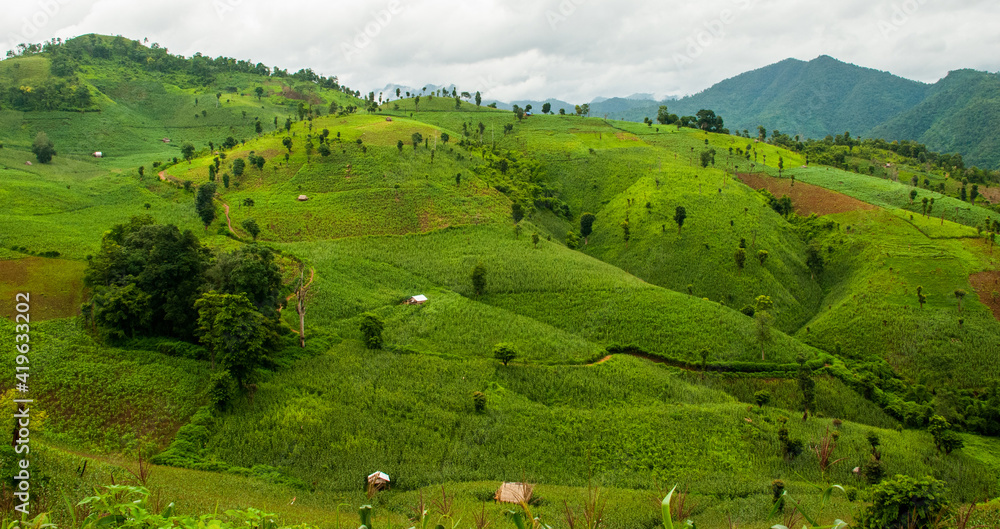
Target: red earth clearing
986	284
807	199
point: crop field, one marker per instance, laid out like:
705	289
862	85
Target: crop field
673	343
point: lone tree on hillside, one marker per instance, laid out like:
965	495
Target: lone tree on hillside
959	294
239	165
259	91
204	205
740	257
546	108
814	259
679	215
479	99
187	151
517	212
504	352
762	317
479	278
417	138
762	256
371	330
252	228
287	142
921	298
913	195
587	225
43	148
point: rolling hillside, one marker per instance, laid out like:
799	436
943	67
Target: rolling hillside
693	346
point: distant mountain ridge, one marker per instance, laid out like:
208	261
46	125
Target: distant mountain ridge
825	96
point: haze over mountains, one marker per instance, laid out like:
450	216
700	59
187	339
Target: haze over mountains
824	96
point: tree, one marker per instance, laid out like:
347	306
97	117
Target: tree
142	171
479	278
371	330
626	231
416	103
204	204
252	228
913	195
259	128
43	148
121	311
287	142
238	166
921	298
974	194
706	158
479	401
234	332
417	138
741	258
211	173
572	240
762	398
218	99
762	256
445	137
324	150
679	215
546	108
517	212
814	259
781	165
250	270
504	352
479	99
225	180
187	151
587	225
535	239
959	295
399	145
944	437
903	502
259	91
663	115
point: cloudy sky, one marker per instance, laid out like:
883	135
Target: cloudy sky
517	49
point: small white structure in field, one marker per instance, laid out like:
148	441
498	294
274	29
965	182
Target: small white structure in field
514	493
303	198
27	162
377	481
166	140
419	299
98	154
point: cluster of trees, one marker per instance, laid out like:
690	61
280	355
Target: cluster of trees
833	150
705	119
68	55
152	280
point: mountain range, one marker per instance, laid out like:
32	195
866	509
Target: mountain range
825	96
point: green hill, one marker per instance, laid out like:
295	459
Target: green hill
642	354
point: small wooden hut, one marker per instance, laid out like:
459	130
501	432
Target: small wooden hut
377	481
419	299
514	493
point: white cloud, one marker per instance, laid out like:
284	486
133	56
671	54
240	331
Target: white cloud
516	49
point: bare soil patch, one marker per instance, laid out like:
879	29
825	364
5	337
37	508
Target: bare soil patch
807	199
985	284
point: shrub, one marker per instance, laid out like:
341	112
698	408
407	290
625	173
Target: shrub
371	330
904	502
479	401
504	352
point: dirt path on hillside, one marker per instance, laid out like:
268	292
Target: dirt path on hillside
229	221
651	358
985	284
806	198
164	177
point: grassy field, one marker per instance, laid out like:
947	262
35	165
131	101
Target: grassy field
385	221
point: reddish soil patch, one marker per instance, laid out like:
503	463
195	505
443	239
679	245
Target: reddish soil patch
807	199
991	193
985	284
55	286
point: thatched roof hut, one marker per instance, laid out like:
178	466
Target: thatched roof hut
514	493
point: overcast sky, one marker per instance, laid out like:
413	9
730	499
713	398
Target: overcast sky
518	49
